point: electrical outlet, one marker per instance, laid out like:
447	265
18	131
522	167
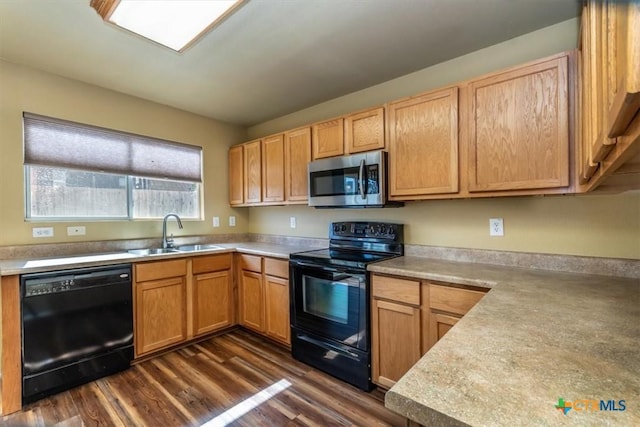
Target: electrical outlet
292	222
496	227
232	221
216	221
42	231
76	231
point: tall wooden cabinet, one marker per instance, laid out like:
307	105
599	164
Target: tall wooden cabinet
609	60
273	168
236	175
408	316
423	145
519	128
297	154
252	170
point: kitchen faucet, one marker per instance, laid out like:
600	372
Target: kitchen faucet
167	242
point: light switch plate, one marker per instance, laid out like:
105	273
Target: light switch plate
496	227
216	221
232	221
292	222
42	231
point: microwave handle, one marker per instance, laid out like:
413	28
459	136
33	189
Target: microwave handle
361	180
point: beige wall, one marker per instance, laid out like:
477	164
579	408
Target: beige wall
593	225
26	89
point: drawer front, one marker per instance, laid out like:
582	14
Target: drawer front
401	290
160	269
276	267
209	263
251	263
453	300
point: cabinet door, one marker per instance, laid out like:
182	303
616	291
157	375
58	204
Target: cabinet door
519	136
212	302
395	340
439	325
251	300
252	172
160	314
273	169
277	309
297	154
365	131
236	183
423	145
328	139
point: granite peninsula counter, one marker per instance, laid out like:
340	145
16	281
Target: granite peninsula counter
537	336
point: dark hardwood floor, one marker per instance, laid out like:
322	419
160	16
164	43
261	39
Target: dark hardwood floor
234	379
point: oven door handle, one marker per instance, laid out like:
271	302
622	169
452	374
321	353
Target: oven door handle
331	347
334	273
317	267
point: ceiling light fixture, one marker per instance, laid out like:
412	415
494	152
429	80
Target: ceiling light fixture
176	24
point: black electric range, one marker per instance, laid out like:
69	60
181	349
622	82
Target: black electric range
330	298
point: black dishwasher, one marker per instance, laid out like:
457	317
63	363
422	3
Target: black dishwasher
77	326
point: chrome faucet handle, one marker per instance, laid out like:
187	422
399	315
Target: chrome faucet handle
170	241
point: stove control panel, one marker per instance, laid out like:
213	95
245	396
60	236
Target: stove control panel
367	230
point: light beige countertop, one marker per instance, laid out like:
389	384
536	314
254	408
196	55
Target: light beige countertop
537	336
23	266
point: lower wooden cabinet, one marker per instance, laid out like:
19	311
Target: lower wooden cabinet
212	302
160	305
251	298
408	316
179	299
396	330
264	296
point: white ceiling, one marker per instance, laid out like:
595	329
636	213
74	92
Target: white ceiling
272	57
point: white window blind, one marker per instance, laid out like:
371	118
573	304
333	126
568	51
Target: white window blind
63	144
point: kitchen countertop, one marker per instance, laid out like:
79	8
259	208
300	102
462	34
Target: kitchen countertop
537	336
23	266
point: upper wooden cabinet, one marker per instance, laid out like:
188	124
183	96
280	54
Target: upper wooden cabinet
297	154
423	145
519	128
273	168
252	168
328	138
236	176
609	60
364	131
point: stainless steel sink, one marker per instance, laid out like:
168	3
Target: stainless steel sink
152	251
193	248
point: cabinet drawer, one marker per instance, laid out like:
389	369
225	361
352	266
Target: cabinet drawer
453	300
276	267
251	263
207	263
160	270
401	290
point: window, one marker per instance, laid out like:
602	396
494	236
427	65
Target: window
75	171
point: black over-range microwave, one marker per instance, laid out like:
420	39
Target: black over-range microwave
355	181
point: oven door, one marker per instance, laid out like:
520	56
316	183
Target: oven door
330	302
